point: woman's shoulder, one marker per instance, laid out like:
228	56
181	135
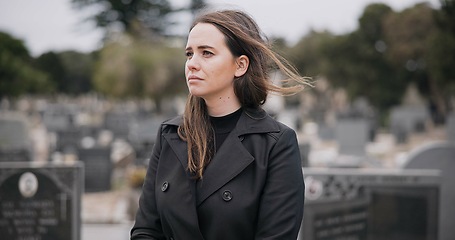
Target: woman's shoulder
171	124
174	121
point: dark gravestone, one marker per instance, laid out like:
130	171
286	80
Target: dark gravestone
370	204
304	149
408	119
439	156
15	144
98	168
119	123
59	116
40	201
450	125
142	137
68	140
352	136
326	132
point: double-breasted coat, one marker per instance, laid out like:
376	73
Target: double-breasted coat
252	189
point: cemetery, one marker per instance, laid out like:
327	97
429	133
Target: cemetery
84	163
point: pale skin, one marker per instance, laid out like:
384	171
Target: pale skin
211	69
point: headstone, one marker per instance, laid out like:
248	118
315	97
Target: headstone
326	132
40	201
144	130
408	119
59	116
304	149
370	204
68	140
439	156
119	123
352	136
98	168
450	125
142	137
15	144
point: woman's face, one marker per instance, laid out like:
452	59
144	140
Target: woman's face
210	66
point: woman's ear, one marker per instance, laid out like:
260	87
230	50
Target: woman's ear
242	65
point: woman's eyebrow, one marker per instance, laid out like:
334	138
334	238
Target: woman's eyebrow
200	47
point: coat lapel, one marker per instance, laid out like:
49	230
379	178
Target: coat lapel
227	163
232	157
179	147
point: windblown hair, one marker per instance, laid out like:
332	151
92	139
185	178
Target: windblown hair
243	37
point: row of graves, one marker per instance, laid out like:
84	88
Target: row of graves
412	202
42	199
357	198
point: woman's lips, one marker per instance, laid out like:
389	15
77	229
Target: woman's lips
194	77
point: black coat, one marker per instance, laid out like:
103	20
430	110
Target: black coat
252	189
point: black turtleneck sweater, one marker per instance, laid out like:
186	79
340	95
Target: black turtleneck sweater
223	126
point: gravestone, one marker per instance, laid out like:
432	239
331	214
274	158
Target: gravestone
15	144
304	149
142	137
40	201
450	125
370	204
59	116
405	120
119	123
439	156
326	132
68	140
352	136
98	168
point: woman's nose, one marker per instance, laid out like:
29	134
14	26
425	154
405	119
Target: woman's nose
192	63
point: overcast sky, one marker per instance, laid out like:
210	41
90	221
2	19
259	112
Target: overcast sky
46	25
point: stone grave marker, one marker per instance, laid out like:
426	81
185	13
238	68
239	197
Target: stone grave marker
40	201
119	123
15	144
450	125
408	119
305	149
370	204
68	140
59	116
98	168
352	136
142	137
439	156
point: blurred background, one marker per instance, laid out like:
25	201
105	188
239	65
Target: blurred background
91	80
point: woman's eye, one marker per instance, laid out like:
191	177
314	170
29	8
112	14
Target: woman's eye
188	54
207	53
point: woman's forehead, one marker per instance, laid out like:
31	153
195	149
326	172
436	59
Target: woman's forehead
205	34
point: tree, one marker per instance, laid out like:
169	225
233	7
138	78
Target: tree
17	74
417	47
441	59
134	68
356	61
132	15
307	56
78	71
136	17
51	64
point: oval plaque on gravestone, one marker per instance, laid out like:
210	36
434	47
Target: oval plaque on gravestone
33	207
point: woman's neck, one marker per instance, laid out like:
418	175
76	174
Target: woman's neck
222	106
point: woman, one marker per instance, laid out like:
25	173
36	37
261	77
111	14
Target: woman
225	169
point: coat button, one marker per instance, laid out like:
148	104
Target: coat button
227	195
165	186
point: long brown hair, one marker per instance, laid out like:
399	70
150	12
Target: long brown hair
243	37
